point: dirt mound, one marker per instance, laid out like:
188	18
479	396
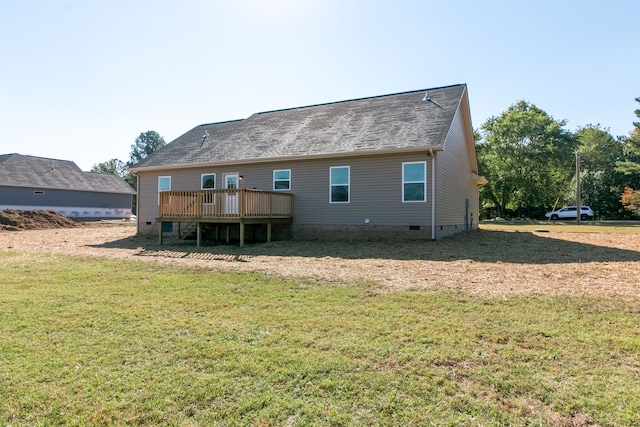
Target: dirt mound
14	220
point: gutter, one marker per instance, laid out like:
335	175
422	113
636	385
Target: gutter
79	190
477	179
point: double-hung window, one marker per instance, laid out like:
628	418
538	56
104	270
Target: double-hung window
414	182
339	184
282	179
208	181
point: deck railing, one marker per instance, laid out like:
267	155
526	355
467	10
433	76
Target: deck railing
224	204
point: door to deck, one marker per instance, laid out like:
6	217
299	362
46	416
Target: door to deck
231	182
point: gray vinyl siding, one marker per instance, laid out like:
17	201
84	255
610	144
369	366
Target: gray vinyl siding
454	183
375	189
25	196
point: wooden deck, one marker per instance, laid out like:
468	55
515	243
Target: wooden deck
232	206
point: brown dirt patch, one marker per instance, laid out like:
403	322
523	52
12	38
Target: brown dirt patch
495	263
14	220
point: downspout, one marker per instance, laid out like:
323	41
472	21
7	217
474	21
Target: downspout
137	204
433	194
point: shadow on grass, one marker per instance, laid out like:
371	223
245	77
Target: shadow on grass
479	246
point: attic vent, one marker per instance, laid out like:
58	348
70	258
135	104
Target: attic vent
38	193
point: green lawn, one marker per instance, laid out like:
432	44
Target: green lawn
113	342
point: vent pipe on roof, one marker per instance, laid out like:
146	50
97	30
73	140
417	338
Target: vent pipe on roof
53	167
427	98
204	137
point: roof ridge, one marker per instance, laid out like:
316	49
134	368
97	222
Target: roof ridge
358	99
39	157
220	123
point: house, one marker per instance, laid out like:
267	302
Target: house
400	166
28	182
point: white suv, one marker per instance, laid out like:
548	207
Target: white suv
569	212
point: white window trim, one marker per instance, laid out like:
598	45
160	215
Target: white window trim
424	182
162	191
159	178
215	181
279	180
348	184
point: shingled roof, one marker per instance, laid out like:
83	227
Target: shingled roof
381	123
17	170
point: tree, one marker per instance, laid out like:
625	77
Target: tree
145	144
527	157
631	164
113	166
631	200
601	183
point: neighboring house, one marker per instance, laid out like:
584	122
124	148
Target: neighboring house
28	182
400	166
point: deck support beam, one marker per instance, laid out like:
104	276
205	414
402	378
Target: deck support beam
247	228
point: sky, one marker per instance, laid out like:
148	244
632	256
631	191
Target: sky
80	80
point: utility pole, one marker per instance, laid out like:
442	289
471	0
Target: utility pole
578	201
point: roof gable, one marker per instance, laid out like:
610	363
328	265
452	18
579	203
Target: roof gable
390	122
17	170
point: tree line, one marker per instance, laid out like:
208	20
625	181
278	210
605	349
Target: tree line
529	160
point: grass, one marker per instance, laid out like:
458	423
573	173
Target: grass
607	227
115	342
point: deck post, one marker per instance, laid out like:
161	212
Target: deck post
241	232
228	233
198	232
160	233
269	232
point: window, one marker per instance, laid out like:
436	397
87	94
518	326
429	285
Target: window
208	181
282	179
339	184
414	182
164	183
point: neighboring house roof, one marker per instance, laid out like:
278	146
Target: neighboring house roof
402	121
17	170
